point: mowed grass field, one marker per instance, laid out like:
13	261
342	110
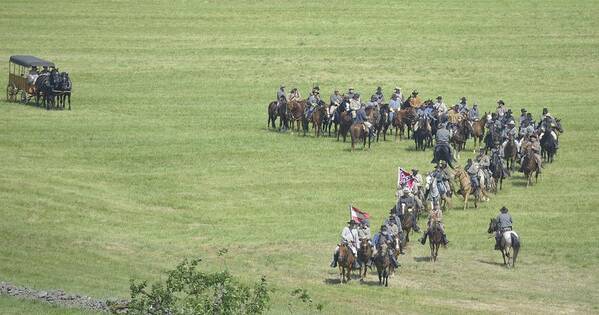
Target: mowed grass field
166	153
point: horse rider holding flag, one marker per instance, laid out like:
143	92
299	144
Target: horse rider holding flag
349	236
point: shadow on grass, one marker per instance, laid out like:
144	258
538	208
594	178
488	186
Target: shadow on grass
492	263
423	259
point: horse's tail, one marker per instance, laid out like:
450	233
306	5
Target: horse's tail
516	247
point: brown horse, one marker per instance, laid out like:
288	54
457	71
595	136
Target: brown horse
510	153
530	166
465	186
272	114
458	140
358	133
364	255
318	117
382	261
296	110
435	239
404	118
346	262
478	130
344	124
407	222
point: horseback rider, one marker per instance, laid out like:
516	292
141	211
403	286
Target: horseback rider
473	114
381	238
435	216
501	109
417	188
523	119
394	106
535	146
361	118
363	232
484	162
504	220
415	100
354	104
294	95
379	97
440	106
336	98
281	92
463	106
349	236
442	138
351	93
311	103
510	133
394	229
454	117
472	169
407	205
398	94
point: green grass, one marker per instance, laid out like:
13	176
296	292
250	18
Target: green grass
166	152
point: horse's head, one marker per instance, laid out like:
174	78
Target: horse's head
558	125
492	226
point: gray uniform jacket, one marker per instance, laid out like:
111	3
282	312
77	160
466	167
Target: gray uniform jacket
313	100
442	136
336	99
364	233
281	93
361	116
505	221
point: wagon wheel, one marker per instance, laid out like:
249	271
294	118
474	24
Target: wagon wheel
23	97
11	93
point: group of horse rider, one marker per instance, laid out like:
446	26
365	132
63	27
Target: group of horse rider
354	233
409	203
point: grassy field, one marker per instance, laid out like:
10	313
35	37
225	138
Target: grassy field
166	153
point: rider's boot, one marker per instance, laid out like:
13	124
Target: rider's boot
445	240
334	262
423	238
394	261
416	228
356	264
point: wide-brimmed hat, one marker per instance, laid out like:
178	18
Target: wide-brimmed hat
503	209
500	102
352	221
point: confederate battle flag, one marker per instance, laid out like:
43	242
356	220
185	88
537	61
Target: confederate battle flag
404	179
358	215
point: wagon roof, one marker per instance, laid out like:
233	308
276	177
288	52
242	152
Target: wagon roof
29	61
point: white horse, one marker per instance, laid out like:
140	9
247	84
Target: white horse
509	244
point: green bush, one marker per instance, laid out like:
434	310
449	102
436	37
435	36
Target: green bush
190	291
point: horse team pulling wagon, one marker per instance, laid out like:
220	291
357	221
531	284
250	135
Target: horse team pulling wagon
26	81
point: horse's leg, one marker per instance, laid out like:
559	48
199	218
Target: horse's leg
466	195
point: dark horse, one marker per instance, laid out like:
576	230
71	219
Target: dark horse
364	255
319	117
382	261
442	152
510	152
44	89
509	244
346	262
498	171
296	113
422	135
383	124
529	166
345	122
65	88
548	146
435	239
272	114
458	140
